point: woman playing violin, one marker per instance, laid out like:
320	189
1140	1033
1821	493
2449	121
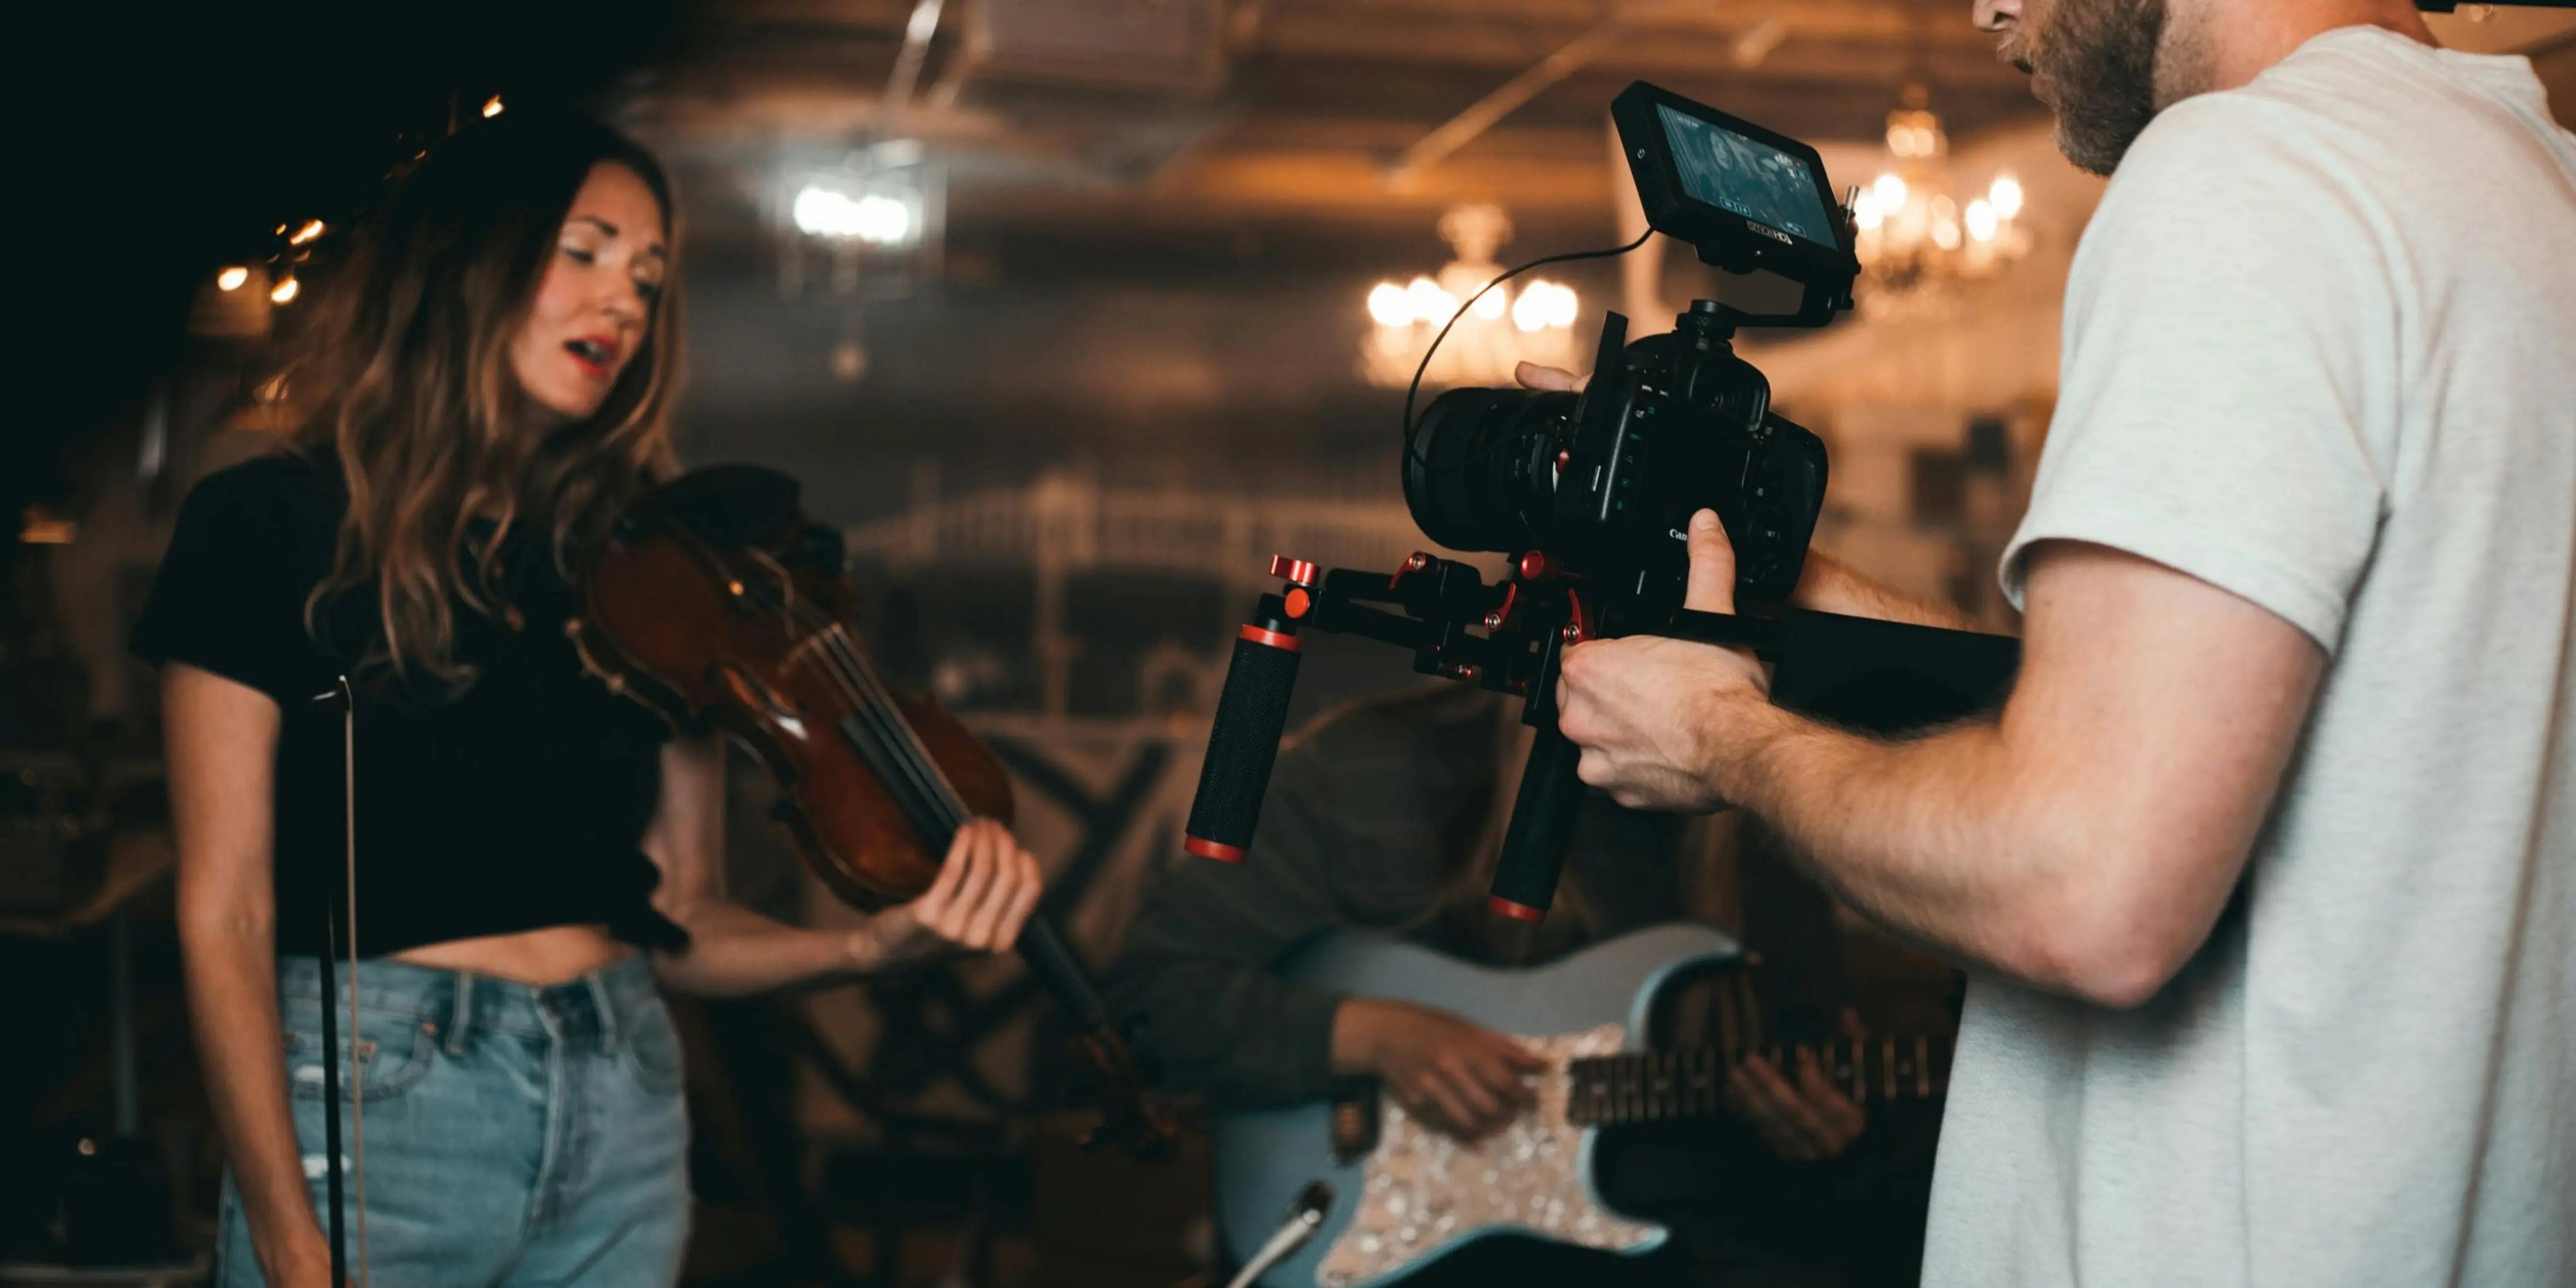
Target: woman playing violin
488	385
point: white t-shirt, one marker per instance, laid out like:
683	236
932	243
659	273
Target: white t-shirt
2321	353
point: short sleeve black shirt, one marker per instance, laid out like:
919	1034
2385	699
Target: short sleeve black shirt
518	805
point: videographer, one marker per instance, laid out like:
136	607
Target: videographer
2266	870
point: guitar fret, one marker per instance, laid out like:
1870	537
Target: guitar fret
1655	1086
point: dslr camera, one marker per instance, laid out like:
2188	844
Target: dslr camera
1606	481
1590	496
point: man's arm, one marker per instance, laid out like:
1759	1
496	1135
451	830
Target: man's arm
1358	800
1829	585
2083	841
1195	972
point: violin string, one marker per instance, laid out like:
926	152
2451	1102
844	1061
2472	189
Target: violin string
879	702
873	701
848	667
879	706
898	733
850	671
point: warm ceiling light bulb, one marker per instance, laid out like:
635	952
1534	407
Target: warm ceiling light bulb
881	220
492	106
284	292
312	228
2006	196
1981	220
1430	303
231	279
1890	191
1529	312
1389	306
825	212
1545	305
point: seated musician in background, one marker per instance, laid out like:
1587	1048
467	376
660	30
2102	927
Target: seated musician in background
1386	815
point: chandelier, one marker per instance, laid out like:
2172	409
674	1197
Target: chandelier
1504	329
1916	240
869	228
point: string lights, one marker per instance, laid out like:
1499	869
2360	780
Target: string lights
297	241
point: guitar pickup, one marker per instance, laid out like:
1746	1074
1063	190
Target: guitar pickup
1355	1121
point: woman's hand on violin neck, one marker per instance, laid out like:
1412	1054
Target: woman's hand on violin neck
984	893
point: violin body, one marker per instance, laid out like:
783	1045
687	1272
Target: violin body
679	622
717	603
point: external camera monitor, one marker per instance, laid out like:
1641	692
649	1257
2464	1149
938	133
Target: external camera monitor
1750	201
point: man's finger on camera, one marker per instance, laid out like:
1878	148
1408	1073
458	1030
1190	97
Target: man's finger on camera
1712	566
1554	380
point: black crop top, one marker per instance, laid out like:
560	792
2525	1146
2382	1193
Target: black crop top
519	805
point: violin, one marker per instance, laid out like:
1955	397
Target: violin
715	601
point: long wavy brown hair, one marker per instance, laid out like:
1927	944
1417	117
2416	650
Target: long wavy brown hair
405	365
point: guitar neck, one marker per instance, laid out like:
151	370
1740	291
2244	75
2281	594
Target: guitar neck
1666	1086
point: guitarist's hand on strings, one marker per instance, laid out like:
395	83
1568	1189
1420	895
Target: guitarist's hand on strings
1462	1079
984	893
1803	1120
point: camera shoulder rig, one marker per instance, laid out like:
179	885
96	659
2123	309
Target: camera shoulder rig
1879	676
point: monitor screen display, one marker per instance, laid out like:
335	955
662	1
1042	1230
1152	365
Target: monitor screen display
1760	182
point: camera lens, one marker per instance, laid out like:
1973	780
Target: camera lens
1479	473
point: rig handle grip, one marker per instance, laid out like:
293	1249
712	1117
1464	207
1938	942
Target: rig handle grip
1543	814
1250	716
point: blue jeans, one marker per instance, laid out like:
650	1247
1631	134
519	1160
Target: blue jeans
514	1135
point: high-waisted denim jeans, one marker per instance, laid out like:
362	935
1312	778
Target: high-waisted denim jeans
514	1135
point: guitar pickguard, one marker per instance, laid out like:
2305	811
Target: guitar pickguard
1421	1190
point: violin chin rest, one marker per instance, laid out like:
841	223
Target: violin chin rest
731	504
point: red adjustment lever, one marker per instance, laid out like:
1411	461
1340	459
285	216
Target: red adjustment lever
1418	561
1296	570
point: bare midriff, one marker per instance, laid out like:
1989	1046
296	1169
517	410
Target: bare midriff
548	956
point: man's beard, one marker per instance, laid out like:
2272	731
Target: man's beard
2094	63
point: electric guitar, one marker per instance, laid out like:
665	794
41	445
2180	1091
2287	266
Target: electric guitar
1404	1195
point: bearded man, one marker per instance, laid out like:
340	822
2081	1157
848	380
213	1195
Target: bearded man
2266	871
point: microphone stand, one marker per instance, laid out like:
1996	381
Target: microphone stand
340	915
